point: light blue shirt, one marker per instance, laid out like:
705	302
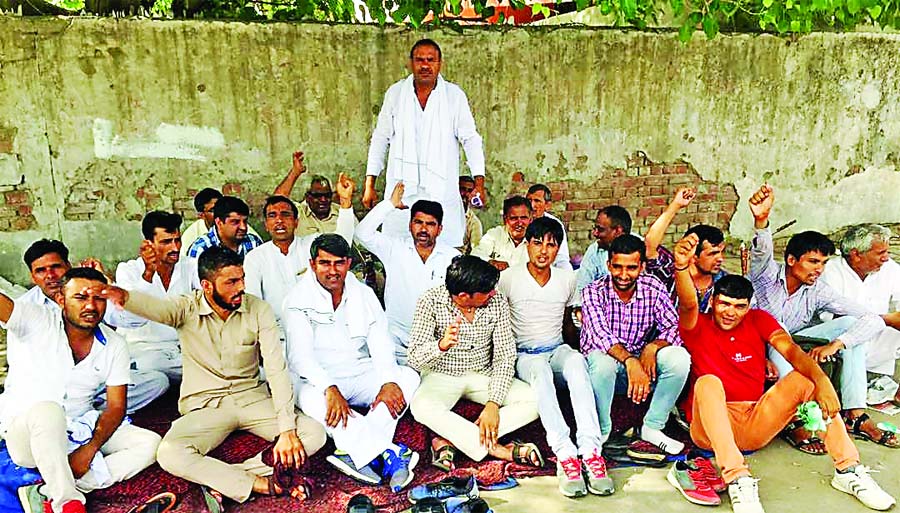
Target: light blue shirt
593	267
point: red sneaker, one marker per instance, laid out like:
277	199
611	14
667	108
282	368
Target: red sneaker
688	480
710	473
73	507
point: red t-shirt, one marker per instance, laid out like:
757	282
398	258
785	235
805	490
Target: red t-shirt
737	356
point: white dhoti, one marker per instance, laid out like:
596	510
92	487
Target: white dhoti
883	351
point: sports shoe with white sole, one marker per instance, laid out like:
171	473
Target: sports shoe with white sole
744	493
598	480
690	481
861	485
571	480
344	463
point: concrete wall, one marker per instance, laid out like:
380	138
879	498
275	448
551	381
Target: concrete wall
103	119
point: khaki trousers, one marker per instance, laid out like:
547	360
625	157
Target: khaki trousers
439	392
183	451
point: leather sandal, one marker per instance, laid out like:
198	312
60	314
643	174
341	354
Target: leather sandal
443	457
887	438
526	458
161	503
802	445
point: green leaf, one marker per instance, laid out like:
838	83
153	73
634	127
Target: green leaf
767	3
795	25
677	6
710	25
874	11
536	8
581	5
629	8
605	7
686	31
853	6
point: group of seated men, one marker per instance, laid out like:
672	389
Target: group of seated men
281	340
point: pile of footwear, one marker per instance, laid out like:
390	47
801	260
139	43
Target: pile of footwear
450	495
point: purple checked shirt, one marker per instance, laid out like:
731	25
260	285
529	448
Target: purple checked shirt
607	321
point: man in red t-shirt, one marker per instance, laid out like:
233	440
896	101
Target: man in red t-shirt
728	409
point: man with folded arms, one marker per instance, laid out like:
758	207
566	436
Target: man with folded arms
730	412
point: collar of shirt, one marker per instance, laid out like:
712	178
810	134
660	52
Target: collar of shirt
307	212
639	294
204	308
782	282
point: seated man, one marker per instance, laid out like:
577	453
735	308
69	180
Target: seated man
630	337
730	412
474	229
611	222
204	203
412	266
502	245
793	294
58	359
274	267
317	213
540	303
159	271
48	261
341	355
230	229
462	343
541	199
866	274
224	334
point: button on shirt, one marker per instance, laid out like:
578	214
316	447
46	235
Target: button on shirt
221	358
309	224
130	276
408	277
42	368
486	345
608	321
800	309
874	292
537	311
326	344
211	239
498	245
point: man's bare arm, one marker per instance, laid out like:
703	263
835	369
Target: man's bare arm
657	230
297	169
6	307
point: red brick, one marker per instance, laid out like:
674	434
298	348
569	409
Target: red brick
25	210
577	205
16	197
558	196
658	201
644	212
22	223
518	176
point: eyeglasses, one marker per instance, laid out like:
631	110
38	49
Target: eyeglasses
320	195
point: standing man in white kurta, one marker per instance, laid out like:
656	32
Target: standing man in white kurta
412	266
422	122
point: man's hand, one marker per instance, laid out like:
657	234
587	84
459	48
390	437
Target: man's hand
289	450
684	250
370	197
488	423
451	335
683	197
345	187
336	408
392	397
761	205
824	353
771	371
499	264
397	196
117	295
95	264
148	255
638	380
827	398
648	360
297	166
80	460
480	191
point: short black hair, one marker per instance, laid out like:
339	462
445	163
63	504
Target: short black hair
542	226
466	178
808	242
205	196
169	222
45	247
618	216
428	207
542	188
705	232
274	200
214	260
425	42
87	273
228	205
330	243
627	244
515	201
735	286
471	275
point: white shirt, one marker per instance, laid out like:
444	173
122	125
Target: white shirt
563	261
269	274
496	244
874	292
537	312
41	366
130	276
326	345
115	316
408	277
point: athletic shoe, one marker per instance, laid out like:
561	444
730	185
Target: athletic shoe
744	493
429	505
861	485
710	474
571	480
688	480
398	467
341	460
881	390
598	480
33	501
360	503
640	450
444	489
466	505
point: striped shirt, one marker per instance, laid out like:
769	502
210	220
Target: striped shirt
607	320
211	239
798	310
486	345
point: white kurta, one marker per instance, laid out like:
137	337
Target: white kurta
422	148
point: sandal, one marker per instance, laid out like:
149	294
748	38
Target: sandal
213	500
443	457
803	445
162	503
531	450
887	438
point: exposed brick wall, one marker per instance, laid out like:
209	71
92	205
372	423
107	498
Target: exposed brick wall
644	188
16	207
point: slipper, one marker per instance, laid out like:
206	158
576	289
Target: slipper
887	438
804	444
360	504
443	457
530	451
161	503
212	499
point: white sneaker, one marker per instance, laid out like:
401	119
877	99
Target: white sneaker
744	493
861	485
881	390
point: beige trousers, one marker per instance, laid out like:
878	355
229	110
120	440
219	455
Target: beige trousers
439	392
183	450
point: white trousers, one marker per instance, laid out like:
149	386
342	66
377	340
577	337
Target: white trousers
163	357
38	439
366	435
882	352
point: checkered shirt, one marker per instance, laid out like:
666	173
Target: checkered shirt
211	239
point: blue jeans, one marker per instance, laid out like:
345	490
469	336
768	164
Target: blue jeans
853	368
608	377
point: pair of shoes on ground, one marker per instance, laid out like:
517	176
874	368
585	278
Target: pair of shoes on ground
698	480
33	501
450	495
396	467
577	476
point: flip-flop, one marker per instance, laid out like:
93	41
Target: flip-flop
443	457
526	459
213	500
161	503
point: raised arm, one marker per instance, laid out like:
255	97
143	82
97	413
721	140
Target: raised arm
170	312
762	251
367	232
688	308
657	230
287	184
346	220
6	307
